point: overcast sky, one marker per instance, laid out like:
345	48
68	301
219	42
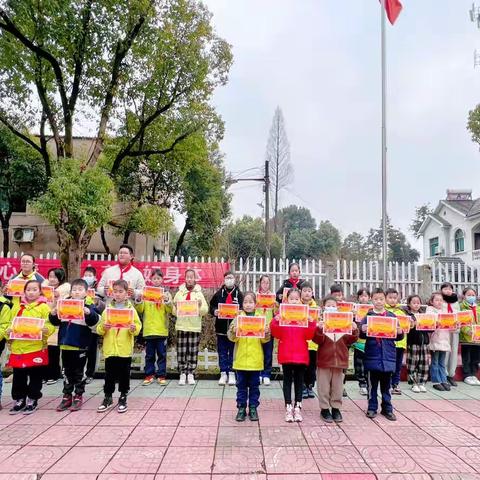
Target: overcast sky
319	60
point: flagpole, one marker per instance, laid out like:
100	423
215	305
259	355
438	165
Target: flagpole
384	145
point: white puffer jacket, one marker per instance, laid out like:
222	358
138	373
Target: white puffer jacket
439	339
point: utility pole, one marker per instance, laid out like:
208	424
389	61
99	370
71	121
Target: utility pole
475	18
266	187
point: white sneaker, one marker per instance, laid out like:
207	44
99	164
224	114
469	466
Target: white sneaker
266	381
415	388
297	413
476	381
260	380
471	381
231	378
363	391
422	388
183	379
289	414
190	379
223	378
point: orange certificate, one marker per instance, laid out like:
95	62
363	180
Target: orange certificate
70	309
187	308
361	310
26	328
285	295
447	321
91	293
293	315
381	327
426	321
253	327
314	314
464	318
15	287
227	311
345	306
153	294
404	322
49	294
109	288
476	333
337	322
266	300
119	317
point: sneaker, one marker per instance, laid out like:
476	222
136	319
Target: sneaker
260	380
148	380
336	415
452	382
344	394
183	379
253	414
289	414
439	387
88	380
18	406
122	404
363	391
422	388
311	393
51	381
231	379
77	403
396	390
297	413
415	389
371	414
389	416
476	380
446	387
32	405
8	379
65	404
305	393
326	416
106	404
241	414
266	381
190	379
470	381
223	378
162	381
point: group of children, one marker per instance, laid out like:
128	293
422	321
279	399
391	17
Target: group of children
307	355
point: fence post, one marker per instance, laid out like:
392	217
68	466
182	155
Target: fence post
425	288
330	274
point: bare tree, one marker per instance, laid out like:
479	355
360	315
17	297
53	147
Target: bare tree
278	154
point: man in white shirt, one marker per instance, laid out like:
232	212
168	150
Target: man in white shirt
124	270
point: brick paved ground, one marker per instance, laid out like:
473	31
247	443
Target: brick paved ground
184	432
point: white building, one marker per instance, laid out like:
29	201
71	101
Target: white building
452	231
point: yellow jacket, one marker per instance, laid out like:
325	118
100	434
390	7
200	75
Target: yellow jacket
396	310
155	318
118	342
32	310
190	324
311	344
248	352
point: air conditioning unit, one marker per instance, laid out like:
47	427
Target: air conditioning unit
23	234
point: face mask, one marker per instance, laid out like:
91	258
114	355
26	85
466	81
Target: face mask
229	282
471	299
90	280
330	309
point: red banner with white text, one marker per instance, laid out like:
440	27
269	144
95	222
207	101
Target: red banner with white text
209	275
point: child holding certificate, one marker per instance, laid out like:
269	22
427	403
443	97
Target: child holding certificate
439	347
264	289
380	360
294	281
470	350
118	345
248	362
27	357
310	372
155	331
293	356
5	304
450	305
331	360
363	298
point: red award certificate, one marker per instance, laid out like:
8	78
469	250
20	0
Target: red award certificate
404	322
426	321
293	315
187	308
120	317
26	328
345	306
49	294
265	300
228	311
447	321
15	287
464	318
361	310
70	309
253	327
153	294
338	322
381	327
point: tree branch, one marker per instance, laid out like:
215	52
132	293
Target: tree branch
139	153
20	134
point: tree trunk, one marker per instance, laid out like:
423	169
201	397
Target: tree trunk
5	221
104	240
126	236
181	238
72	252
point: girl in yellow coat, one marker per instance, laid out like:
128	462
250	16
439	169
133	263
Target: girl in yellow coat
248	363
118	348
27	357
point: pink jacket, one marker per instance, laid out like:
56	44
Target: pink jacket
292	344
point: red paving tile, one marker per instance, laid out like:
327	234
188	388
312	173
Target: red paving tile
129	418
461	418
469	455
282	437
296	460
339	459
440	405
348	476
409	436
182	477
389	460
187	460
403	476
452	436
42	417
238	460
270	418
84	417
32	459
136	460
20	434
227	419
402	420
235	437
158	418
84	460
69	476
170	403
409	406
199	419
438	460
365	436
325	436
427	419
147	436
205	404
140	403
61	435
8	450
195	436
126	476
18	476
105	436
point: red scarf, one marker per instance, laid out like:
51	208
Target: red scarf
294	282
229	299
24	305
124	270
449	308
189	295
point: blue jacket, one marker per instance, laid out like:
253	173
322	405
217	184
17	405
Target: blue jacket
76	333
380	354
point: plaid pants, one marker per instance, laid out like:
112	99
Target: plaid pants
417	363
187	351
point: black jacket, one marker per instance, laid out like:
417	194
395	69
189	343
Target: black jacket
288	284
222	325
414	336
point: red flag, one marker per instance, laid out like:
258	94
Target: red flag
393	9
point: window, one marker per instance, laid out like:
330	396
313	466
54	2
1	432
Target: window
434	246
459	241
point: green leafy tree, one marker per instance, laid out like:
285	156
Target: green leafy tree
22	178
421	213
354	248
473	124
293	218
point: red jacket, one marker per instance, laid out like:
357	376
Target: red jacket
332	354
292	345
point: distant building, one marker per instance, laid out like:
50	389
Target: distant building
452	232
